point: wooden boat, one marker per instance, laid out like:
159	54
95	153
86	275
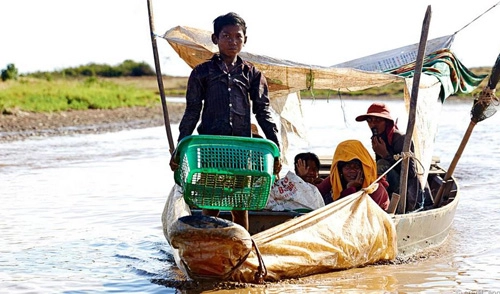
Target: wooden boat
347	233
415	231
352	231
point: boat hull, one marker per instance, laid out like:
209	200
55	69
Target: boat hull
351	232
424	230
415	231
411	233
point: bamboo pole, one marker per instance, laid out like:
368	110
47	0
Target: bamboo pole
160	79
412	113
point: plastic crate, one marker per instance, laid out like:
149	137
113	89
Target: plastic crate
226	172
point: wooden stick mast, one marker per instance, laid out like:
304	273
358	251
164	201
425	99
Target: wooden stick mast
412	113
160	79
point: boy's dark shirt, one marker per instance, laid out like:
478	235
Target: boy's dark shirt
223	96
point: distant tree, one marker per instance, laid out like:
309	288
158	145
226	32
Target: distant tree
10	73
136	69
69	72
142	69
109	71
88	72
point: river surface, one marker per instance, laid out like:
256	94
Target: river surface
81	214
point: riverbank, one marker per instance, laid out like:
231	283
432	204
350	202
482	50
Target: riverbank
22	125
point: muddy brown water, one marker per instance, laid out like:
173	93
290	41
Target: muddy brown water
81	214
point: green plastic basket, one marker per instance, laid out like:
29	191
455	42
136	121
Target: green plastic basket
226	172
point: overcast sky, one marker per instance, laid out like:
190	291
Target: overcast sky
54	34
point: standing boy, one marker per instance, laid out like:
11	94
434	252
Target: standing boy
221	88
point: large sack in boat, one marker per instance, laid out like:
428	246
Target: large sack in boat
291	193
209	247
350	232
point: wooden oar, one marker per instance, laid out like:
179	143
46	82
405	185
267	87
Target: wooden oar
481	110
413	105
160	79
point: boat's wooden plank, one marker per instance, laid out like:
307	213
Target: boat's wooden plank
394	203
324	167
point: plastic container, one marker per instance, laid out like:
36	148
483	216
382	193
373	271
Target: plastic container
226	172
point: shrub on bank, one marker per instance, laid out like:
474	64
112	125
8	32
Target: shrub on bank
9	73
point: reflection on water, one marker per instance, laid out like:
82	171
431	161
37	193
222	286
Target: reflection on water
82	214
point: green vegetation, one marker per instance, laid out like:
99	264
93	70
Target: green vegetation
92	86
128	68
40	95
10	73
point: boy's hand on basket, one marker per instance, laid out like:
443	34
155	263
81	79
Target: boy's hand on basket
277	166
174	161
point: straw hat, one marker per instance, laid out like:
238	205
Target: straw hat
378	110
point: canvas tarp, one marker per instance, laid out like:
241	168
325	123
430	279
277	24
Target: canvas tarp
451	73
351	232
347	233
396	58
195	46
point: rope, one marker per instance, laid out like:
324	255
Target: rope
485	104
229	273
399	158
410	155
158	36
261	270
388	170
487	95
477	18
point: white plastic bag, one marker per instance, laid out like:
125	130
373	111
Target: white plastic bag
291	193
